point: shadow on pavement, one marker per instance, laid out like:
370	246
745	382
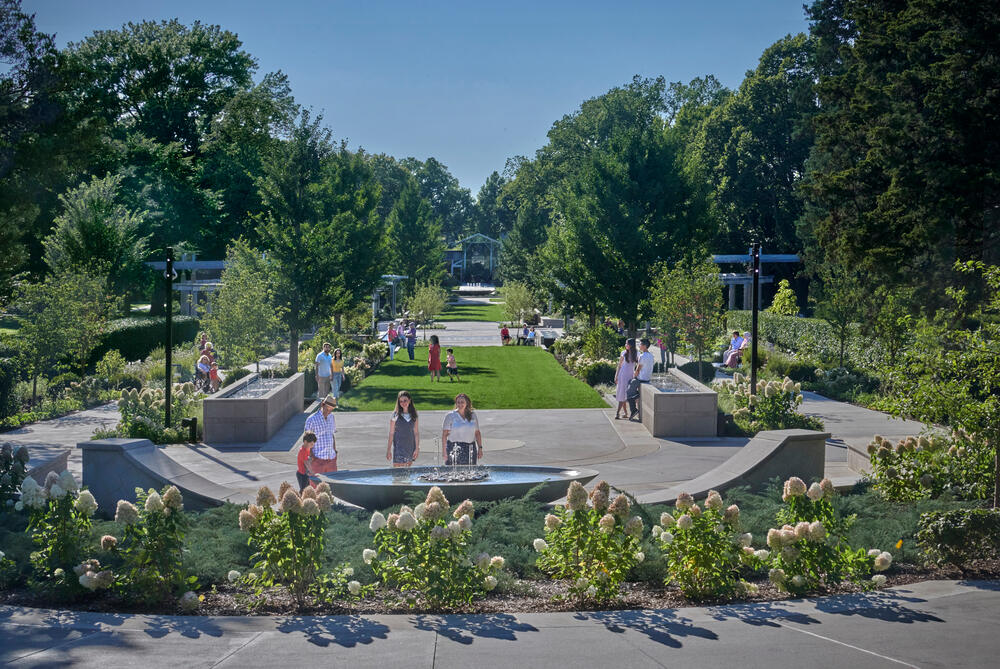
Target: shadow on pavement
664	627
463	629
346	631
191	627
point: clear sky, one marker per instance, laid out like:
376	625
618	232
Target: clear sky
470	83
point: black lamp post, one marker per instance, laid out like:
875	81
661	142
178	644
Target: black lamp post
169	274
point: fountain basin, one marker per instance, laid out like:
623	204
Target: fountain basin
252	410
381	488
676	405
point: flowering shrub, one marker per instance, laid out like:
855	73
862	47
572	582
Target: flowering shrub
591	541
960	536
809	550
151	545
340	584
288	541
592	371
920	467
13	469
60	526
142	412
601	342
772	408
425	554
704	548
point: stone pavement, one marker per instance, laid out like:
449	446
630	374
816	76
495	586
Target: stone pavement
931	624
46	439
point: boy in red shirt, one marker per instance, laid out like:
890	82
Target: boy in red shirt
304	472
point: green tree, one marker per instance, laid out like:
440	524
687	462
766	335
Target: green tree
298	239
950	374
492	217
904	177
518	301
415	247
688	297
95	227
565	274
245	321
452	205
427	301
61	317
784	303
840	297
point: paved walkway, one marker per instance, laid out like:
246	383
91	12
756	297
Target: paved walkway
933	624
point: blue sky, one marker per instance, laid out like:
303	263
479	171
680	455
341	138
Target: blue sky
469	83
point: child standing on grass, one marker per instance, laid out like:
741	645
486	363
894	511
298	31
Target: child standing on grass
434	358
453	366
304	472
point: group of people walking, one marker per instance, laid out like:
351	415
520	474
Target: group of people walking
461	438
635	367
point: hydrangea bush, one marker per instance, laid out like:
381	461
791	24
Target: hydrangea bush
703	548
288	540
774	407
591	541
424	552
914	468
59	523
13	469
142	413
809	550
151	546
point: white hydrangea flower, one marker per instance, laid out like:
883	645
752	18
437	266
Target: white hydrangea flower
552	522
154	502
418	511
798	581
746	539
640	556
483	561
377	522
439	533
776	576
189	601
714	500
666	538
454	529
883	561
497	562
762	554
879	580
233	576
666	520
815	492
540	545
591	592
353	587
406	521
685	522
490	582
368	555
67	482
656	531
874	552
465	523
56	491
86	503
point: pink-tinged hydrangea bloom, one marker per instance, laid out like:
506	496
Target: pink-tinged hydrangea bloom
454	529
607	523
265	497
126	513
794	487
308	493
464	509
436	495
324	487
827	486
815	492
599	500
685	522
576	496
684	501
774	538
802	530
714	500
310	507
695	511
154	502
620	507
552	522
731	514
465	522
390	522
666	520
247	521
434	510
325	501
108	542
290	502
283	488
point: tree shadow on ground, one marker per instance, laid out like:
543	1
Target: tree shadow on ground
664	627
346	631
886	606
463	629
190	627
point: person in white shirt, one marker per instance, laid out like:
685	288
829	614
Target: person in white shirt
643	374
324	372
461	440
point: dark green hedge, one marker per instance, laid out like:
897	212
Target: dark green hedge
960	536
136	338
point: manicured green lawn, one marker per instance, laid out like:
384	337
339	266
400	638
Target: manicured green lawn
495	377
472	312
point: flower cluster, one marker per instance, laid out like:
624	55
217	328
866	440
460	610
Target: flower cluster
92	577
142	412
772	407
929	466
424	551
703	547
593	540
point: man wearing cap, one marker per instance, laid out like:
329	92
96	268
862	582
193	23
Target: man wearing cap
323	425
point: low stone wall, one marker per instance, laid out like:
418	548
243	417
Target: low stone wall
114	468
684	414
228	420
858	460
775	453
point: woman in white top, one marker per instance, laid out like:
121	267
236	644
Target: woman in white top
461	440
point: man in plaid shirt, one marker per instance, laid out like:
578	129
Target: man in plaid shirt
323	425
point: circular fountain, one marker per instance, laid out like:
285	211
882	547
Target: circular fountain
381	488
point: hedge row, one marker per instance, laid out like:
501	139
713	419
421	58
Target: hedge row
136	338
810	337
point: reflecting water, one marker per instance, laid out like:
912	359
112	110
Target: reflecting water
668	383
257	388
415	476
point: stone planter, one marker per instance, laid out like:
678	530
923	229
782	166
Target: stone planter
691	412
231	418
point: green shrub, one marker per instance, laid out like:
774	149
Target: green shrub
60	383
13	469
9	378
601	342
772	408
957	537
919	467
594	543
797	369
840	383
598	372
703	548
427	556
136	338
234	375
567	344
702	371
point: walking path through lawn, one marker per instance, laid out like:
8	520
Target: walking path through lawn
929	624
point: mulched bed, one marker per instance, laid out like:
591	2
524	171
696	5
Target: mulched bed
522	596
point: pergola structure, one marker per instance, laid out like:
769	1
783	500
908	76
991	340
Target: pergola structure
195	290
732	280
389	281
480	248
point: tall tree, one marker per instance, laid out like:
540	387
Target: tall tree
451	204
415	246
492	217
95	227
297	237
905	173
